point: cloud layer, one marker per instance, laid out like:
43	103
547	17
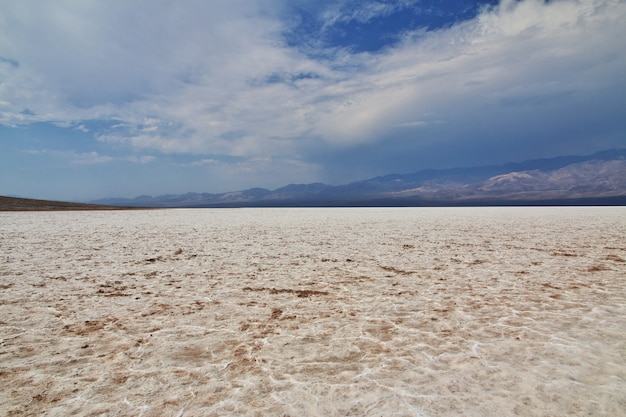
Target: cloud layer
229	81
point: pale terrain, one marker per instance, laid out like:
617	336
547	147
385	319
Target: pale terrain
314	312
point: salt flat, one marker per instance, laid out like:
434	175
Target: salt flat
314	312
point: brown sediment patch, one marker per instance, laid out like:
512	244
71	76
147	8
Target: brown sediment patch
87	327
566	254
614	258
298	293
395	270
598	268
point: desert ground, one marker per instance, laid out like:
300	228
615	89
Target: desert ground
314	312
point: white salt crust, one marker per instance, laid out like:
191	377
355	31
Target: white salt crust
314	312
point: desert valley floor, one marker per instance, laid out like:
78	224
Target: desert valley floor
314	312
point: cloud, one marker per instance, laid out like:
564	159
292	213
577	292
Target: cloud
144	159
235	173
516	49
200	162
220	78
417	123
359	11
89	158
93	158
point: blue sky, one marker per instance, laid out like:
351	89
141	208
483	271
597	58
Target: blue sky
122	98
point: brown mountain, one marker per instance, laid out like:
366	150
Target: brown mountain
28	204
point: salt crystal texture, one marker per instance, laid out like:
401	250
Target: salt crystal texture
314	312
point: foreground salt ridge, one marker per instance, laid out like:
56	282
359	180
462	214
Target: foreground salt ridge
433	312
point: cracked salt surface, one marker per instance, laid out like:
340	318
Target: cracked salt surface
314	312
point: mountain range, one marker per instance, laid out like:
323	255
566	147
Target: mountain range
598	179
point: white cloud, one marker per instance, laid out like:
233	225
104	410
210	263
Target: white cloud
198	79
360	11
198	163
522	49
267	172
143	159
90	158
417	123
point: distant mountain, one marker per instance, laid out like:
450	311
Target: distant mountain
594	179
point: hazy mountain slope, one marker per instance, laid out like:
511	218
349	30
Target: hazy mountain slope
590	179
598	176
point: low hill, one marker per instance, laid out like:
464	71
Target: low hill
27	204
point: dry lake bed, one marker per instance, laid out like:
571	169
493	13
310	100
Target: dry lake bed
314	312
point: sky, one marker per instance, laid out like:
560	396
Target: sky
149	97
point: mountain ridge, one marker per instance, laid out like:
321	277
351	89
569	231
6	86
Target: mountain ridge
599	177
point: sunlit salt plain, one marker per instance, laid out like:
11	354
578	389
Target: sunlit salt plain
314	312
